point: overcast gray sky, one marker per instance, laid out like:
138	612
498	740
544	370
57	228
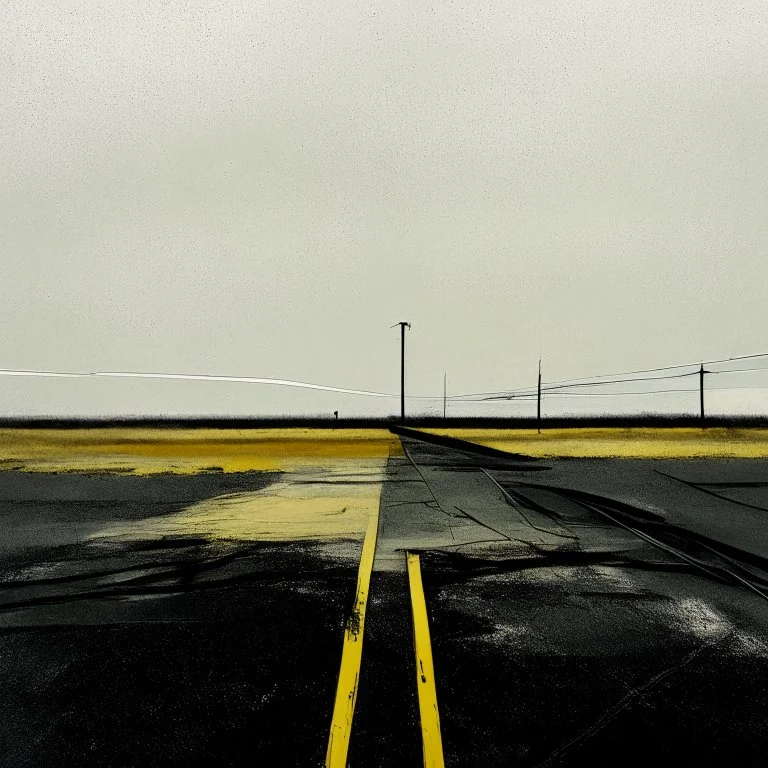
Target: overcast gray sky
263	189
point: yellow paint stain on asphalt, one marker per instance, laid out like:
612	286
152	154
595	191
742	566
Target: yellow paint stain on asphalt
351	656
635	442
148	451
312	505
431	740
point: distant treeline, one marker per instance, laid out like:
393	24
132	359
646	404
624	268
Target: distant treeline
283	422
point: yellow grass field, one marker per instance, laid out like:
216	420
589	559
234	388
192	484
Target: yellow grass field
328	487
152	450
640	443
145	451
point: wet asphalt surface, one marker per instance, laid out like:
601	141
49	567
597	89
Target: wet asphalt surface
183	651
582	612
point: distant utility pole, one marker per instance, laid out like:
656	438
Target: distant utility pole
445	384
403	326
538	402
701	393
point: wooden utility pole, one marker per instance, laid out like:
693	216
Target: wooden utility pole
701	393
538	402
403	326
445	391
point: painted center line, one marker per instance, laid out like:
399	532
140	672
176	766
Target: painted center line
351	655
431	740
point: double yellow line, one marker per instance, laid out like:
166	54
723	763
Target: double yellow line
352	655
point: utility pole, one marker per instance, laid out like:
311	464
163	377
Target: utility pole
445	384
403	326
701	393
538	402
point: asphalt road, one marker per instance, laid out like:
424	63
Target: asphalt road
580	612
593	611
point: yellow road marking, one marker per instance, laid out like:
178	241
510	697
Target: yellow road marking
351	656
431	741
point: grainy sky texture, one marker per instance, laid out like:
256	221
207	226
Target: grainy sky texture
263	189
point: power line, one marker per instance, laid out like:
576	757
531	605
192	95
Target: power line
742	370
522	393
595	394
590	379
196	377
740	357
667	367
57	374
618	381
554	388
239	380
532	397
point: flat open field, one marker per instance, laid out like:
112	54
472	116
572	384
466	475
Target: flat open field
636	442
146	450
351	597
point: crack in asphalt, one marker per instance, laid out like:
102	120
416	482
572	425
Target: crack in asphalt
613	712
